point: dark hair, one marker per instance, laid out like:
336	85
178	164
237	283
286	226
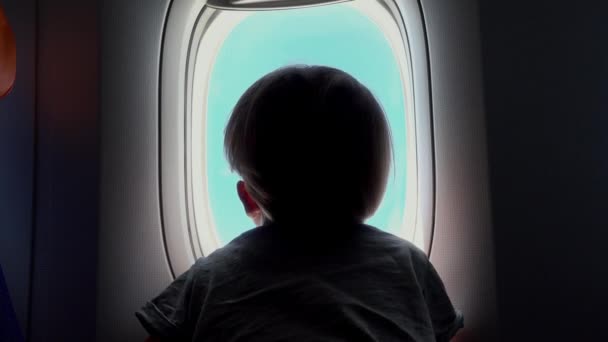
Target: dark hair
310	140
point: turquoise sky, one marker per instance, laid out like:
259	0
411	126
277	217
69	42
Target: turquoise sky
333	35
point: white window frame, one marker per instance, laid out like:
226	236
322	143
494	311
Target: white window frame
184	68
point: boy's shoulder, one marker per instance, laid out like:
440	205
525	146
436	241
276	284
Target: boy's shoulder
392	241
272	241
399	248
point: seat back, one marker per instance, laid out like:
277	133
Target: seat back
9	326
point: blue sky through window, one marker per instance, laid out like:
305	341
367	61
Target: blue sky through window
334	35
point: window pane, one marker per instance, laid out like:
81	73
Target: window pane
334	35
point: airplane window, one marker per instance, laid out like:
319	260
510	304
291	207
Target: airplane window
256	42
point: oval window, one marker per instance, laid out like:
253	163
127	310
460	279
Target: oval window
338	35
239	47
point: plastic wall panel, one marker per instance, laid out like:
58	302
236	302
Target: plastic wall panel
462	249
132	260
546	80
67	169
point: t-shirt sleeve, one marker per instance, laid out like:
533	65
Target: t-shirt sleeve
446	319
166	316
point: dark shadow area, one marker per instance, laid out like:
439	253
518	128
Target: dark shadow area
546	81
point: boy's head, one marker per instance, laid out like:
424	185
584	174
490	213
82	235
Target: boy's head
310	142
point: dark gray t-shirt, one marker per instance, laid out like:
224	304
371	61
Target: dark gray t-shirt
274	284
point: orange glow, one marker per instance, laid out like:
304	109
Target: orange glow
8	56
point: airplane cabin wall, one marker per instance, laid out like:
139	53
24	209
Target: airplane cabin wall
132	262
49	183
545	76
133	266
462	249
67	169
546	83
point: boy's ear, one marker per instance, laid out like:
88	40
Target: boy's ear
248	202
8	56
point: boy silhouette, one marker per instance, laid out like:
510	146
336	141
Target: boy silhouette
313	148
